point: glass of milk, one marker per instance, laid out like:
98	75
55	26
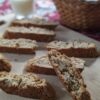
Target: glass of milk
22	8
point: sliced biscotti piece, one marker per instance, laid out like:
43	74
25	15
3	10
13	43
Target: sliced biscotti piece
33	33
74	48
26	85
5	64
42	65
35	22
18	45
69	76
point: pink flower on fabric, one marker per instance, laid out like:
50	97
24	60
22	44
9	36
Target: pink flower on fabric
5	7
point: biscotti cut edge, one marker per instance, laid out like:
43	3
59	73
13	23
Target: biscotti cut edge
69	76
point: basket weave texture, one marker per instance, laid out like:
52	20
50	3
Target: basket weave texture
79	14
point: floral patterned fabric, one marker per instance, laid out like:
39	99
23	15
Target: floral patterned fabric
5	7
48	10
43	8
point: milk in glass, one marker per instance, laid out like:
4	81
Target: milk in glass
22	8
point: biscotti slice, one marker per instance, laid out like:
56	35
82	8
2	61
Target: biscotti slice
33	33
42	65
35	22
26	85
5	64
69	76
74	48
24	46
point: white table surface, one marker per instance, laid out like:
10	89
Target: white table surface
91	73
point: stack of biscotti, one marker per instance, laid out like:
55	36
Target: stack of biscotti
42	65
33	33
26	85
5	64
35	22
18	45
74	48
70	77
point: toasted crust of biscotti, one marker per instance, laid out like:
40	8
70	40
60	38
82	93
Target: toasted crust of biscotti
42	65
5	64
24	46
26	85
33	33
74	48
69	76
36	22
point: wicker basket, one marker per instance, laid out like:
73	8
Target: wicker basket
79	15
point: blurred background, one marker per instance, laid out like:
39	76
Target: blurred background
43	8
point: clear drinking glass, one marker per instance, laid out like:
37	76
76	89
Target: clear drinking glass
22	8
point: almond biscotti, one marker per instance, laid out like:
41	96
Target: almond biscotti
5	64
74	48
25	46
69	76
26	85
35	22
42	65
33	33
